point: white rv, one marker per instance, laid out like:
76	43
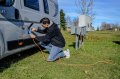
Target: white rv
16	16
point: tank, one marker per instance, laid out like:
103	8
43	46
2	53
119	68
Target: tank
84	21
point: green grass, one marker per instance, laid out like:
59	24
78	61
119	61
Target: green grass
99	58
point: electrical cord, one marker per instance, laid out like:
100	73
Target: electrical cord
74	65
65	64
39	49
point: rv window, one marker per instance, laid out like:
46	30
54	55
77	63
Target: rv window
33	4
6	2
46	7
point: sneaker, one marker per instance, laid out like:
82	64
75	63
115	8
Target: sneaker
68	50
67	53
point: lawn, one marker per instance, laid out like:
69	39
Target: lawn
99	58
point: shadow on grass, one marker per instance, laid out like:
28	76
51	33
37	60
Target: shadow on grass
116	42
117	35
9	60
72	45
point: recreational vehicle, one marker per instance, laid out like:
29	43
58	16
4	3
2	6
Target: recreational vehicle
16	18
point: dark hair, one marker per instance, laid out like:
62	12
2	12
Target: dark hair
45	21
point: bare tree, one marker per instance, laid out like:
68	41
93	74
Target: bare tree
75	21
109	26
69	21
86	7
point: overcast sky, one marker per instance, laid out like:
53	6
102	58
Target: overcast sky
105	10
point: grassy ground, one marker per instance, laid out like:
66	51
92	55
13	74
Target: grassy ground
99	58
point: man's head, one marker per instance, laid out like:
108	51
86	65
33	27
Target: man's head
45	22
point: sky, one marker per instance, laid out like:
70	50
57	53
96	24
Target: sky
105	10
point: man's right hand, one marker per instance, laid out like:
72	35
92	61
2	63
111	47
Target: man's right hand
32	36
34	29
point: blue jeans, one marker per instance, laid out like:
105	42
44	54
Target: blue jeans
55	52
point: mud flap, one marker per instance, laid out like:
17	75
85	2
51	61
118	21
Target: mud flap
1	45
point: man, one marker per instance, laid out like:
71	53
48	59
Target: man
53	40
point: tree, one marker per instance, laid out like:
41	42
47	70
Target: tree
62	20
98	29
105	26
75	21
109	26
85	7
68	21
115	26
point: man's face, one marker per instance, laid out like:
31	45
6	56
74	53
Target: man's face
45	25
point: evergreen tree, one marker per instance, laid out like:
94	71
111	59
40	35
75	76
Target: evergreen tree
98	29
62	20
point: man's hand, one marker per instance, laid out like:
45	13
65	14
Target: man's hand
33	29
32	36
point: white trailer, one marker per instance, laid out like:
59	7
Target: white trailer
15	18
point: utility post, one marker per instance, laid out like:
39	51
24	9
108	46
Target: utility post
80	30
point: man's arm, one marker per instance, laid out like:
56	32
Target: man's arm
49	35
41	31
46	38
